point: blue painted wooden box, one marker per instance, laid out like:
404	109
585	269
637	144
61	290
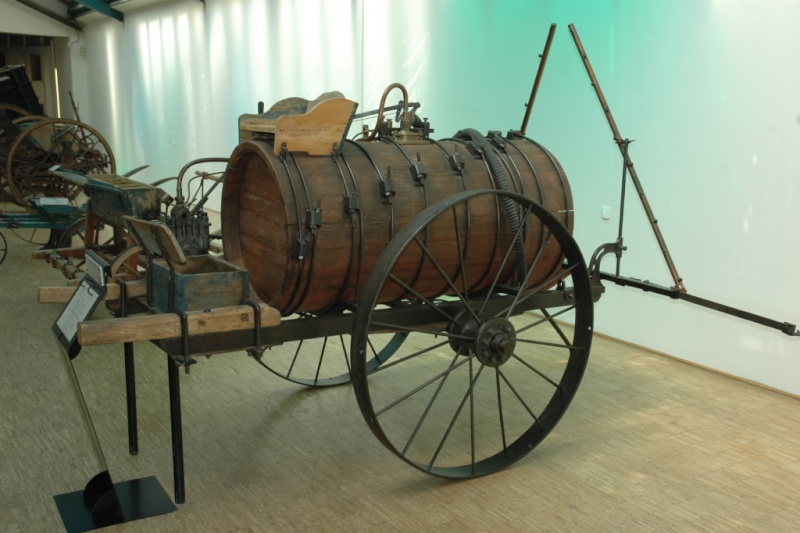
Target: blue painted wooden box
203	282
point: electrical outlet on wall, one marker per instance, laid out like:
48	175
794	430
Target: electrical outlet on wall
605	212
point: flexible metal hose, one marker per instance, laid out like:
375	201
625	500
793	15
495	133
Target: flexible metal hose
499	172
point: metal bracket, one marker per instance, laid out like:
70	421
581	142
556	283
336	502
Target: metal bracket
313	218
615	248
456	161
387	188
418	171
257	351
352	204
474	149
497	140
302	247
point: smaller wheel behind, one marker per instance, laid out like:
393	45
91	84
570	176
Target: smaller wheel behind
44	143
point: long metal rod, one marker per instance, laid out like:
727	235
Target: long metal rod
622	201
785	327
535	89
621	144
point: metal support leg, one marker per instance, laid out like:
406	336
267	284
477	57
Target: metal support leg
130	394
130	376
177	431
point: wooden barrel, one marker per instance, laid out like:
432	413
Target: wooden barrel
309	229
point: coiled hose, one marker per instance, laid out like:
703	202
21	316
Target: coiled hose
499	173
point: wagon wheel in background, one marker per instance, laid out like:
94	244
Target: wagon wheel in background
108	241
323	361
486	380
68	143
14	111
25	122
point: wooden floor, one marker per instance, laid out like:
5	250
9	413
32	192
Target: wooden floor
649	444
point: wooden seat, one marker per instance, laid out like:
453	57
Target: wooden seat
311	126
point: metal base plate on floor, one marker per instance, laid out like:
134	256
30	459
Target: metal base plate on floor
138	498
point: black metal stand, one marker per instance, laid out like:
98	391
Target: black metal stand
102	503
130	395
121	502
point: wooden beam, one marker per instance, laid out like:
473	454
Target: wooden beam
61	295
168	325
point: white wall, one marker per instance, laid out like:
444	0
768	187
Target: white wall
707	88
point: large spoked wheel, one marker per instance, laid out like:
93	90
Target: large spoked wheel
44	143
485	374
323	361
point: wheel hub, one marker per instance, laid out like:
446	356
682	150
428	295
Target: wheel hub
495	342
492	340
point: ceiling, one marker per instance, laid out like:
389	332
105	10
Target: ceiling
70	12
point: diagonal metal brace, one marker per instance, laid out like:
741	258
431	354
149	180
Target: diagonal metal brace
623	144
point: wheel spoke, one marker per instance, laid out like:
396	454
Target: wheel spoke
540	374
544	343
548	318
409	357
467	394
294	359
506	257
555	278
415	390
428	407
500	416
521	400
419	296
529	273
446	278
555	325
461	261
346	355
